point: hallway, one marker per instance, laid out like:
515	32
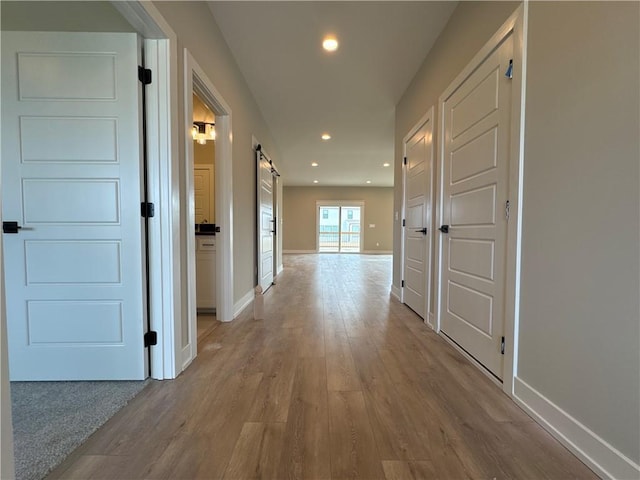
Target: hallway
338	381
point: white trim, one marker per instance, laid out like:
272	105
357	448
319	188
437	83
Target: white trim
162	127
243	303
593	450
280	269
428	117
395	292
516	25
296	252
196	81
431	320
377	252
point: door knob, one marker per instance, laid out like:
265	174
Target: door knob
444	229
422	230
10	227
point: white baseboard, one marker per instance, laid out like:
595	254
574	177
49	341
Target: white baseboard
377	252
594	451
280	269
243	303
431	320
293	252
395	291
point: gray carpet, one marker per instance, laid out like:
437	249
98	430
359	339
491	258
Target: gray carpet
51	419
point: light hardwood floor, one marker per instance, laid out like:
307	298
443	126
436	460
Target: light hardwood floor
338	381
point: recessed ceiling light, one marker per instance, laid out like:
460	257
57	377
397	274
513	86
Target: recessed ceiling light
368	181
314	164
330	44
315	181
386	164
326	136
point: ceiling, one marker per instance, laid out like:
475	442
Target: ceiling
303	91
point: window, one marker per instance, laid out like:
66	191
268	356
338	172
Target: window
339	228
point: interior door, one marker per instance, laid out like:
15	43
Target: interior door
265	222
417	231
202	192
71	179
476	131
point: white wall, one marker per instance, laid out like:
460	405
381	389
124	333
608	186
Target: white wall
579	318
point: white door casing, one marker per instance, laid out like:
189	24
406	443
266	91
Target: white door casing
418	228
71	177
477	129
265	219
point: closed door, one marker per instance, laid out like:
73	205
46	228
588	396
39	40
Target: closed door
71	179
265	222
203	193
475	179
418	172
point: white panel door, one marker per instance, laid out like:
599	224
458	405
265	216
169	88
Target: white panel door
265	222
475	183
202	192
71	179
417	231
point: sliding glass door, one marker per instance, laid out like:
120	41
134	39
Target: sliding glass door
339	228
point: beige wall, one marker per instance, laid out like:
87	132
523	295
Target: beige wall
62	17
299	215
196	30
579	312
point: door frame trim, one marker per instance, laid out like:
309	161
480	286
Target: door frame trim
427	117
516	25
161	55
196	81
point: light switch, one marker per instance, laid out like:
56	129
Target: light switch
372	225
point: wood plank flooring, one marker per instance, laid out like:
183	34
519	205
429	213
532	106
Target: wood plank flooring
338	381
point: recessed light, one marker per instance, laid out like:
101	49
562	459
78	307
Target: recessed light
368	181
314	164
326	136
315	181
386	164
330	44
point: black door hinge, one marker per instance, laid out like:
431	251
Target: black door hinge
404	222
144	75
402	283
502	346
405	160
150	338
147	210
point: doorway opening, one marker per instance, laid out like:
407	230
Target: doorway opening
339	227
209	251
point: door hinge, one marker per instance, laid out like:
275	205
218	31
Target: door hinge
405	160
509	72
144	75
507	208
150	338
147	209
402	283
403	222
502	346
